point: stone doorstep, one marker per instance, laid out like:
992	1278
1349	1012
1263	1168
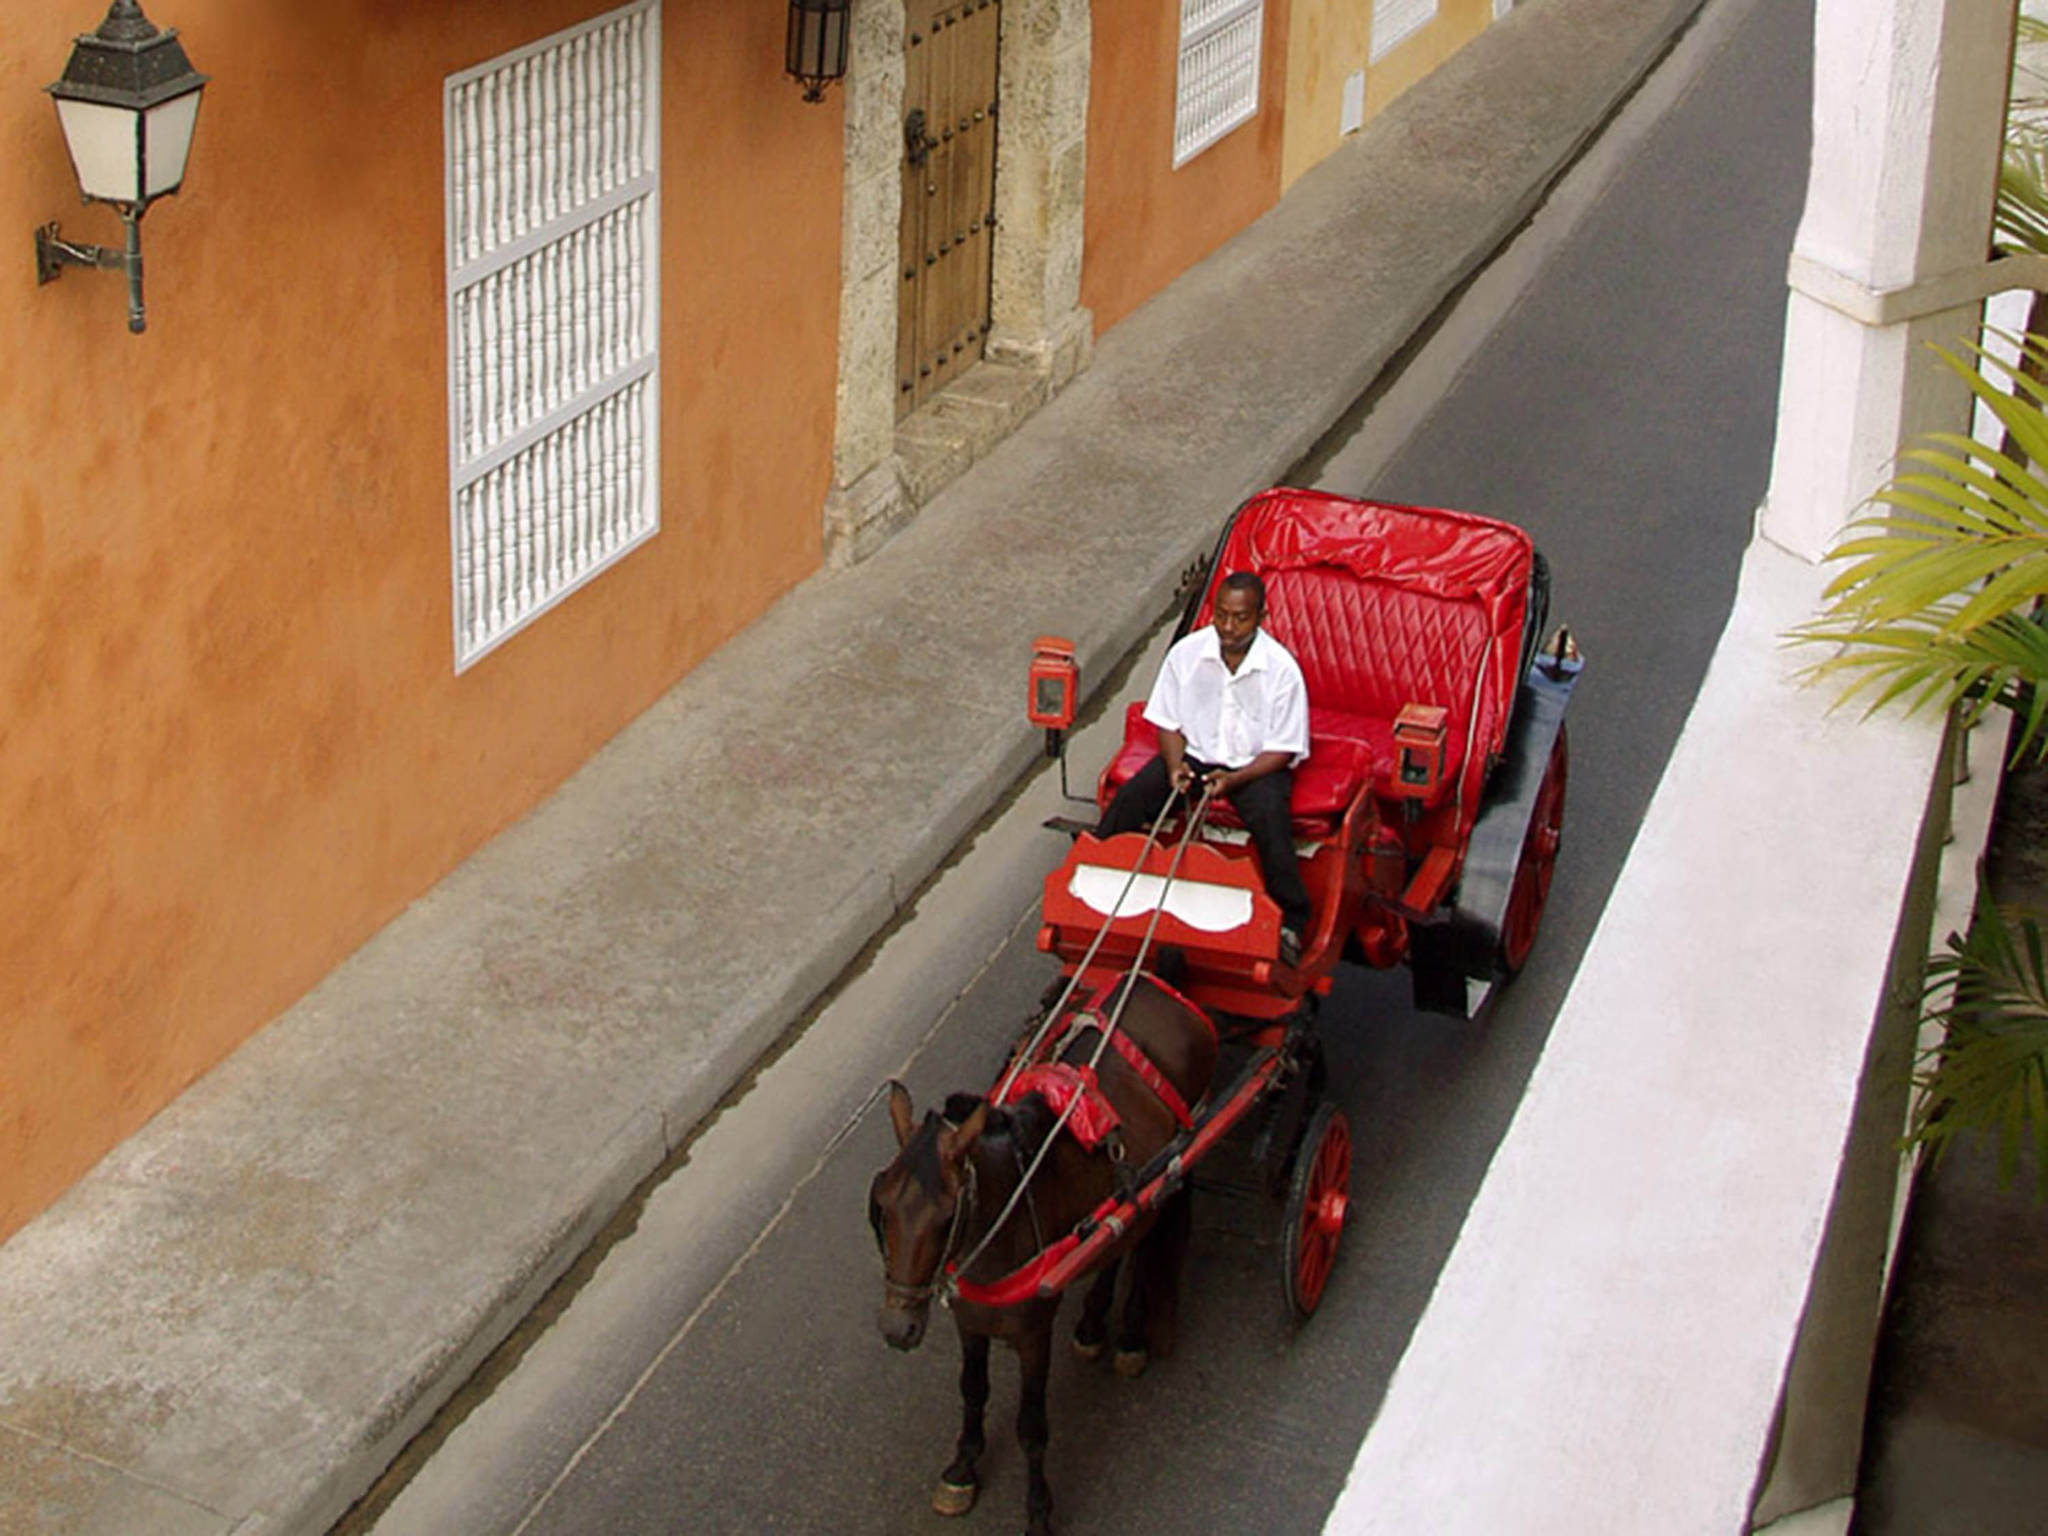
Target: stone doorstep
936	443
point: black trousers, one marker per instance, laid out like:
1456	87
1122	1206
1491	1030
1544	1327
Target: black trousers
1262	805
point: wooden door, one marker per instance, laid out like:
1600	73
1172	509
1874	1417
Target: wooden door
949	177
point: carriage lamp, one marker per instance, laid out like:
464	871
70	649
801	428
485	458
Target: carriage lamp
127	104
1055	679
816	53
1418	750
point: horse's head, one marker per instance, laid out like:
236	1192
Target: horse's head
919	1207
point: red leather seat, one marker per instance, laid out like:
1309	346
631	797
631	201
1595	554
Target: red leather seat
1343	757
1382	606
1385	606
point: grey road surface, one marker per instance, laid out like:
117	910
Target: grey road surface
1622	410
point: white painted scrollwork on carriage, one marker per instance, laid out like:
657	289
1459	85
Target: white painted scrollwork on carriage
1201	905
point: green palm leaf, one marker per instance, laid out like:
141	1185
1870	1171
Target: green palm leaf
1938	604
1934	606
2021	222
1989	1071
1921	663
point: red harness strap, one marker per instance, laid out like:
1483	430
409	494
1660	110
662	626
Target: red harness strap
1098	1011
1021	1285
1060	1082
1152	1077
1093	1117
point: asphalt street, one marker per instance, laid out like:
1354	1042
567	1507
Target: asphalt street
1612	387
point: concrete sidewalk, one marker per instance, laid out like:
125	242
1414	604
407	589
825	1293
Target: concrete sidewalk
239	1318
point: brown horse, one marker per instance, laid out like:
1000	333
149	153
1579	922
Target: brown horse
936	1204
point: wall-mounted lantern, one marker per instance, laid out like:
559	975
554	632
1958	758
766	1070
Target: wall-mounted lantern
817	44
127	103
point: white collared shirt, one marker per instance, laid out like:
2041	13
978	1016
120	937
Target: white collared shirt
1228	717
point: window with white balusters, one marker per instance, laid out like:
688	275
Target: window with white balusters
1394	21
553	313
1217	84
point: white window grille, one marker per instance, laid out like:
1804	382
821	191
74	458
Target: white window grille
553	314
1218	83
1395	20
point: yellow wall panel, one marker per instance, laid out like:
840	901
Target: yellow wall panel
1327	41
1457	23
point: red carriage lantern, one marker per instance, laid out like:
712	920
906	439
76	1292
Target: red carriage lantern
1418	750
1055	683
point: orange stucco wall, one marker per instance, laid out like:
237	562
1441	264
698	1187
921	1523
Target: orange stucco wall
234	742
1146	222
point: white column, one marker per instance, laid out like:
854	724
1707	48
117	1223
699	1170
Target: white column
1909	106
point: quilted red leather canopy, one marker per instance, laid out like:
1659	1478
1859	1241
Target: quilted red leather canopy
1423	549
1385	605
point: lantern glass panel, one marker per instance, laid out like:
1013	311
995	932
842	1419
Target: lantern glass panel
167	141
104	151
817	40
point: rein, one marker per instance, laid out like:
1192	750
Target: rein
1066	994
953	1274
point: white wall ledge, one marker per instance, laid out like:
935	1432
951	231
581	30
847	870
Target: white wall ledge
1608	1346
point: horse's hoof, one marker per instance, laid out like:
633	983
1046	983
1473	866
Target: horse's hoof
1130	1363
1087	1349
954	1498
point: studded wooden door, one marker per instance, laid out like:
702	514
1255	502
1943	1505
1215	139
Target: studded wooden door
949	177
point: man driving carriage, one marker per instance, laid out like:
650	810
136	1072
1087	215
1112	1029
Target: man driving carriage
1232	711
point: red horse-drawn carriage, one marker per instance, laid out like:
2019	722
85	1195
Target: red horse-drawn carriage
1427	815
1427	818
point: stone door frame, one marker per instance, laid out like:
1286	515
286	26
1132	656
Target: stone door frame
1038	325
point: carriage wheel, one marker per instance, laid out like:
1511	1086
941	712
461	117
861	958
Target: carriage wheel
1316	1204
1539	857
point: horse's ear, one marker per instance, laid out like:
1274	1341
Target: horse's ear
900	1113
954	1142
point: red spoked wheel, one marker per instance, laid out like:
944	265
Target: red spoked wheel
1531	889
1318	1198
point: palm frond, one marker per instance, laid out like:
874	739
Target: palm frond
1989	1071
1937	541
1939	579
2020	219
1923	663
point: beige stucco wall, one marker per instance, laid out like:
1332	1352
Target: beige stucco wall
235	742
1329	40
1457	23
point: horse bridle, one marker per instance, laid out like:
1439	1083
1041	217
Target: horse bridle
907	1298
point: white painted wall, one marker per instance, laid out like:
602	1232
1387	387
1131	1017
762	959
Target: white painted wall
1606	1346
1668	1248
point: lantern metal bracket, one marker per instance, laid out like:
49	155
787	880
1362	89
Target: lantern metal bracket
133	74
54	253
